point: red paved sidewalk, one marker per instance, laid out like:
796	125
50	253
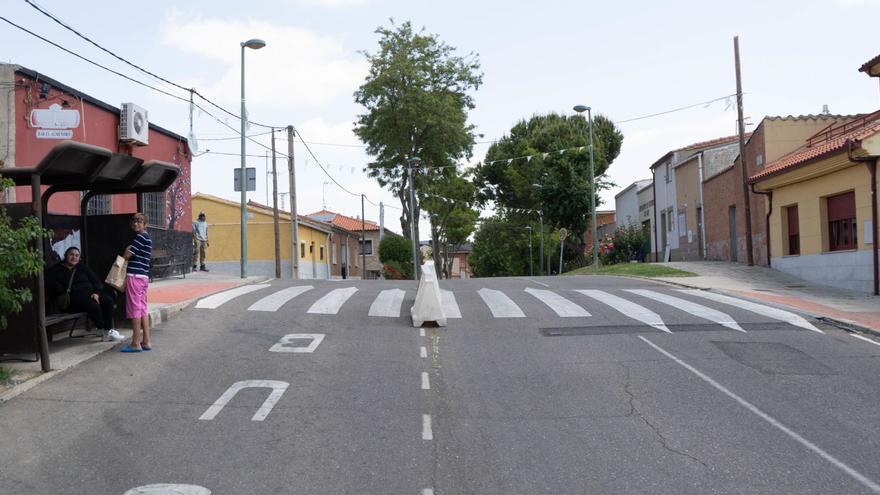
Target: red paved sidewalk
188	290
867	319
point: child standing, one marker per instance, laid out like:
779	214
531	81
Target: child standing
137	278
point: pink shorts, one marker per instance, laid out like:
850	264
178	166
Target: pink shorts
136	296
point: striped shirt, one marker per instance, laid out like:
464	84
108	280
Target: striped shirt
141	251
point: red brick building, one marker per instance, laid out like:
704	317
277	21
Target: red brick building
42	112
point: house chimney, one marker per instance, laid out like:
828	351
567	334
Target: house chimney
825	110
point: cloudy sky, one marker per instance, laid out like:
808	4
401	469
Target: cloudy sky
626	59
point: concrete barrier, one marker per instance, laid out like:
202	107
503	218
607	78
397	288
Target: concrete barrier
428	305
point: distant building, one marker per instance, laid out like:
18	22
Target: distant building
645	197
350	255
605	225
626	203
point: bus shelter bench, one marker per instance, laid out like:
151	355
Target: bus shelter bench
163	264
54	320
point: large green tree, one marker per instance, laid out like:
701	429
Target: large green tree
556	183
501	247
416	98
449	203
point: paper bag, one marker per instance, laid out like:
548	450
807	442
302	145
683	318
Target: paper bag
116	277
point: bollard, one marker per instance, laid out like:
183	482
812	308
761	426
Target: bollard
428	305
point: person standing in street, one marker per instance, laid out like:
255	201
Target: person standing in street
200	241
137	278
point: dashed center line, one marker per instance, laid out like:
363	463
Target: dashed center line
426	384
427	434
423	352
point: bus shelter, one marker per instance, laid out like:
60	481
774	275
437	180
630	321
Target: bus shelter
74	166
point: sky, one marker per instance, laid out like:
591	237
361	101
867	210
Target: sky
625	59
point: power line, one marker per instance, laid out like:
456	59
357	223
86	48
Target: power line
633	119
145	71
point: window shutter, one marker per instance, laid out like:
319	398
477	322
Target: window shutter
842	206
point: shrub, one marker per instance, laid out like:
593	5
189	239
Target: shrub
626	244
396	270
395	248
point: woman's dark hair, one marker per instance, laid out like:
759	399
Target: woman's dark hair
71	248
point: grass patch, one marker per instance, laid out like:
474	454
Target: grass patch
5	374
633	269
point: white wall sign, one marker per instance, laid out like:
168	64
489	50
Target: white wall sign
54	117
869	232
282	346
277	387
54	134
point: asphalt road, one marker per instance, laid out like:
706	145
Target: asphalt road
538	403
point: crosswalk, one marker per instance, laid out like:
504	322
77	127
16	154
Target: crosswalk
632	304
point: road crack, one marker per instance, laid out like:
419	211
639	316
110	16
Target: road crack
634	411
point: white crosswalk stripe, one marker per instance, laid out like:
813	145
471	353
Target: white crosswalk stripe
499	304
775	313
627	308
332	301
215	301
693	308
277	299
562	306
387	303
450	307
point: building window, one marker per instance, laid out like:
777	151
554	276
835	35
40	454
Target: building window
99	205
333	251
842	221
759	161
302	249
322	253
366	247
668	176
794	231
154	208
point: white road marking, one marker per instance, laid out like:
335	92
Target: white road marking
499	304
212	302
427	434
282	346
275	300
277	387
428	491
426	384
535	281
421	332
865	339
330	303
693	308
770	312
562	306
423	352
169	489
871	485
387	303
628	308
450	307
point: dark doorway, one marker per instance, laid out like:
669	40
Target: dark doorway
734	252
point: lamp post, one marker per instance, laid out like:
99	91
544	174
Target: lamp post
531	270
412	215
581	109
254	44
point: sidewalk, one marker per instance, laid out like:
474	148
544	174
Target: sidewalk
165	298
760	283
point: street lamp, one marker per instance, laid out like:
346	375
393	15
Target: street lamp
412	215
531	271
254	44
581	109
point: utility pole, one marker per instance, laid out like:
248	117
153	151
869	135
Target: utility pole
275	210
294	220
381	235
363	241
747	210
541	245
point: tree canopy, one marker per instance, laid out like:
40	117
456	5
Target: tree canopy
416	100
553	182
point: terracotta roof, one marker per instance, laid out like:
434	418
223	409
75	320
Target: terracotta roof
828	141
343	221
870	63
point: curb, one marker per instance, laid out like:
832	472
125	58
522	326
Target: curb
846	325
157	317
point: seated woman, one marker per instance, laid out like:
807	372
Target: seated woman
86	292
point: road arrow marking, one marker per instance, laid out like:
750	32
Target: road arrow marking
282	346
277	387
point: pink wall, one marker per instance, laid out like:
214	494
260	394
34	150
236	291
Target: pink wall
99	127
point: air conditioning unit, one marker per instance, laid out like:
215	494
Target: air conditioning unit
134	126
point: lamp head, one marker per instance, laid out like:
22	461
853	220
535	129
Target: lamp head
254	44
414	159
581	108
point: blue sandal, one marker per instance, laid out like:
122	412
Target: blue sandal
129	348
